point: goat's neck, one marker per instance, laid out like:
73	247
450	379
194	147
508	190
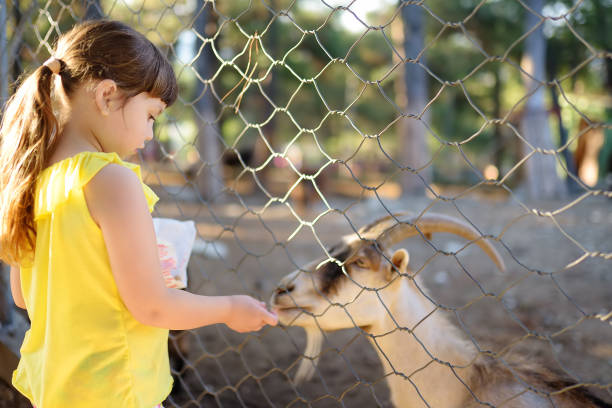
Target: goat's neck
405	353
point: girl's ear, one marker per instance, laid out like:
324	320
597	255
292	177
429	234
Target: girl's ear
105	93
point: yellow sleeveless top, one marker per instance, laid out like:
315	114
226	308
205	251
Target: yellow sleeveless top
84	349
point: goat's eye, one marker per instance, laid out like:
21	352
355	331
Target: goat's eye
361	263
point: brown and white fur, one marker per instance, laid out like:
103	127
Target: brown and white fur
430	361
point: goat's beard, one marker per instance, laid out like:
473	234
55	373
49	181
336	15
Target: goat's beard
308	365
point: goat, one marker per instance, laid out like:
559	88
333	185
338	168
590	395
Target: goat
430	362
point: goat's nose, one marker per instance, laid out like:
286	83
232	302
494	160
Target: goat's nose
284	290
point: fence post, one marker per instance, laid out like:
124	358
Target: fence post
3	57
12	327
8	358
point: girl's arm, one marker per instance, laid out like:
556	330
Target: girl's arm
16	287
117	204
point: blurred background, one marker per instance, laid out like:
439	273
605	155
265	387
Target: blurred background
299	121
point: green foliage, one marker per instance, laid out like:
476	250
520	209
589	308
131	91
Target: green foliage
343	84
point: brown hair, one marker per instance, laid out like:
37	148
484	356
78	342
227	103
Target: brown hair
93	50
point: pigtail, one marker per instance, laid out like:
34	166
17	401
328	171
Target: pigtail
90	51
27	136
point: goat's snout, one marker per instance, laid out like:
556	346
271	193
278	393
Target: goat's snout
284	289
281	298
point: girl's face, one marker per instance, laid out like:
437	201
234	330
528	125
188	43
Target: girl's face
131	125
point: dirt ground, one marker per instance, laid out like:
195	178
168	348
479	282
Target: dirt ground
545	303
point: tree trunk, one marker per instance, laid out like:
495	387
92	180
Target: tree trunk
93	10
209	174
567	155
4	73
542	181
605	154
260	150
21	20
413	140
16	42
498	142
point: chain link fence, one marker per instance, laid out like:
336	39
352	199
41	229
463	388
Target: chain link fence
299	121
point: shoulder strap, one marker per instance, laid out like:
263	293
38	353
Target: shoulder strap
56	183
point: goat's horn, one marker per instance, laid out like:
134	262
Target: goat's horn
388	231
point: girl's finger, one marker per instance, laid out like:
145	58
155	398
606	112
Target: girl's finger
271	318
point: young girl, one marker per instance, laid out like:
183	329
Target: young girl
76	228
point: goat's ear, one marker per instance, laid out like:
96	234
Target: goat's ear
399	263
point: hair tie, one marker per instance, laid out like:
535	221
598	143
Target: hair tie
53	64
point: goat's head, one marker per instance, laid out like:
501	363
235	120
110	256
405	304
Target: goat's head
345	289
341	290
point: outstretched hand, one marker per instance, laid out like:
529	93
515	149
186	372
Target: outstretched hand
248	314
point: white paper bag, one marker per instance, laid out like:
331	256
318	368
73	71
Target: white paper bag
174	244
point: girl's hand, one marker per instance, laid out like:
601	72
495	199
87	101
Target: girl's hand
248	314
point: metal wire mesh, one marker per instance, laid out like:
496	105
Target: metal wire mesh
299	121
